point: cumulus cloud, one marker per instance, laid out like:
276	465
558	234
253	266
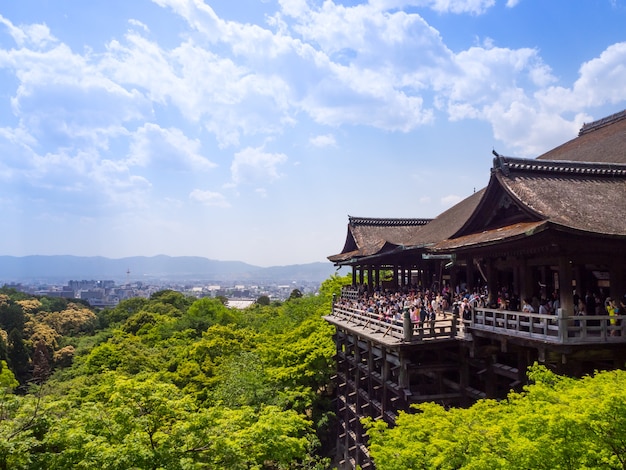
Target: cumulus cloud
475	7
600	81
326	140
35	35
375	64
254	165
171	148
209	198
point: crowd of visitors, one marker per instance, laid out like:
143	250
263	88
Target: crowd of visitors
422	305
425	305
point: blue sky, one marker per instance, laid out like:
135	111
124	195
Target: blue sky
250	130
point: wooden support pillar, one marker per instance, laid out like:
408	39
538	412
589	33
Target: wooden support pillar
617	277
526	278
354	269
370	370
469	274
377	277
454	278
492	282
522	365
357	374
542	282
566	298
386	373
403	377
516	280
370	279
578	277
361	275
464	373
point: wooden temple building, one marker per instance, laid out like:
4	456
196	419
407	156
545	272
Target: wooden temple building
550	226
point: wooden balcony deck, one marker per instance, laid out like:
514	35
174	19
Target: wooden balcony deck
555	329
393	332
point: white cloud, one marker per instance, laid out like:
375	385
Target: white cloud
535	118
253	165
475	7
600	81
171	148
139	24
37	35
372	64
209	198
326	140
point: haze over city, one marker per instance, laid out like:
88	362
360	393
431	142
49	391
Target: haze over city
250	130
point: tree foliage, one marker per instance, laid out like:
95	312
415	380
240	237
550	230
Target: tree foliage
555	423
167	382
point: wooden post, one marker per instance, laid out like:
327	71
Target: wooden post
566	298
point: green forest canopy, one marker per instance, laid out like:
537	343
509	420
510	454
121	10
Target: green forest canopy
174	382
170	382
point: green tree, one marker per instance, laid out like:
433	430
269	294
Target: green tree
170	297
295	294
206	312
18	356
7	380
11	314
332	286
3	345
244	381
556	422
122	311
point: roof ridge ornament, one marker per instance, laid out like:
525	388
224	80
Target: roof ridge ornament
500	163
373	221
605	121
508	164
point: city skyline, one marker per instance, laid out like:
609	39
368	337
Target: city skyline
250	130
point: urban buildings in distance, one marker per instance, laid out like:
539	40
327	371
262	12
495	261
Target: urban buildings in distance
107	293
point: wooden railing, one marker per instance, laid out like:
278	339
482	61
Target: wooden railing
551	328
558	329
350	293
430	329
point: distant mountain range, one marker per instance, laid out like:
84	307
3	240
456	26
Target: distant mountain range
62	268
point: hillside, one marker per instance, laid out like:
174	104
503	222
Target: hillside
61	268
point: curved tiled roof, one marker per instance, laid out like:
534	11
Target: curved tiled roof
385	222
580	186
369	236
446	224
490	237
602	141
584	196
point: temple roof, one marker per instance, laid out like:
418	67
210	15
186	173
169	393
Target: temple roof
584	196
579	187
525	197
603	140
489	237
369	236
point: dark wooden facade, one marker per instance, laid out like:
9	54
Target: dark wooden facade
555	224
